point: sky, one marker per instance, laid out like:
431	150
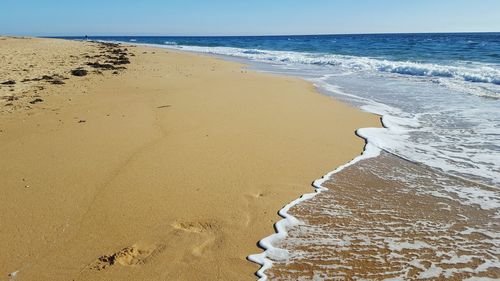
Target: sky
245	17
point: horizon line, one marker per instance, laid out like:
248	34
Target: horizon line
259	35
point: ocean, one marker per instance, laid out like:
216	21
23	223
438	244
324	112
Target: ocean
423	202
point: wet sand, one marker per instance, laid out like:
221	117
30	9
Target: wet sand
170	169
385	218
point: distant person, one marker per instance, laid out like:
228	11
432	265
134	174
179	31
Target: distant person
86	38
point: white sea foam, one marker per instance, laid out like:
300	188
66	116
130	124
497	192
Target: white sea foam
431	272
454	74
481	279
399	246
441	138
273	253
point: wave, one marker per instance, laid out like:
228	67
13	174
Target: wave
438	138
470	73
273	253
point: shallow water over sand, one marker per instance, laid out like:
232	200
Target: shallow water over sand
371	225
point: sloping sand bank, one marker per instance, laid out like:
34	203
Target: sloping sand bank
171	169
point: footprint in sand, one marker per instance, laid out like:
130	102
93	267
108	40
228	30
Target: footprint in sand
129	256
197	227
207	234
252	200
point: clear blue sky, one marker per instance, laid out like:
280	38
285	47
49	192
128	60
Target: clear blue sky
245	17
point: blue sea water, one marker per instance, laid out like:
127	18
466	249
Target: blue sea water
438	95
430	48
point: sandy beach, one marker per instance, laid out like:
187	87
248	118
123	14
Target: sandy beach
170	167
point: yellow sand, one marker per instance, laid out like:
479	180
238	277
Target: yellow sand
170	170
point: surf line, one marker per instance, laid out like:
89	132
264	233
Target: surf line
270	252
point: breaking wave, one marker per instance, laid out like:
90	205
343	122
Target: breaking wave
487	75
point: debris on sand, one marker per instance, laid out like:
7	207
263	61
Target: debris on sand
57	82
37	100
55	79
9	82
99	65
79	72
10	98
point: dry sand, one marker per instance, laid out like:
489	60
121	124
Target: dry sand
172	169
